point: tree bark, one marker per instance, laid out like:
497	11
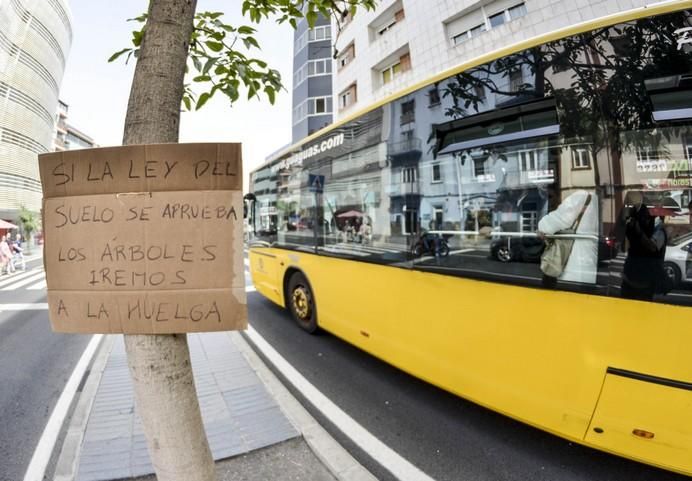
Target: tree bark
160	364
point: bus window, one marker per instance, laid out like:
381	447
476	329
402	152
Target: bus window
510	172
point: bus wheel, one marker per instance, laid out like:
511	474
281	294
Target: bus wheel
301	302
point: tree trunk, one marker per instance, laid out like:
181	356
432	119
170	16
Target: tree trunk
160	364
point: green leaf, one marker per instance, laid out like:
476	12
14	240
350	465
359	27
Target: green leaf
141	18
118	54
202	78
202	100
215	46
210	62
245	30
197	64
311	17
270	93
186	101
250	42
137	37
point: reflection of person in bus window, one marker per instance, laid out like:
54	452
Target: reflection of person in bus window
365	231
582	263
647	246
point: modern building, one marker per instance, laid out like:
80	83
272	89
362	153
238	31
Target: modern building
312	78
35	39
404	42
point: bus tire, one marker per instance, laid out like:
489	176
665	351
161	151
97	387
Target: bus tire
301	302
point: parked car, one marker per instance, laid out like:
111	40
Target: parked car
678	259
529	249
523	249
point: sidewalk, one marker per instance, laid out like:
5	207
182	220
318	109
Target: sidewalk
256	429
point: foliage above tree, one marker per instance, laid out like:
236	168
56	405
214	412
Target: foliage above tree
221	54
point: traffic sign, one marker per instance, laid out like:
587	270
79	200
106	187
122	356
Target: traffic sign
316	183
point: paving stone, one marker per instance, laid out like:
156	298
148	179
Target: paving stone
239	414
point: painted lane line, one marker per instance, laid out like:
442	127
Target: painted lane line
380	452
250	289
38	286
37	306
44	449
15	277
23	282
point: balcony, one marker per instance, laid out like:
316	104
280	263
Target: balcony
404	189
405	152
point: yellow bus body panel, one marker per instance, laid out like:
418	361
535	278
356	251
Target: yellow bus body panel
536	355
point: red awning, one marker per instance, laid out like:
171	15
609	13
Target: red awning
6	225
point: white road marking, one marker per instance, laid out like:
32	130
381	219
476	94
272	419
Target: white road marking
36	306
9	279
23	282
38	286
44	449
380	452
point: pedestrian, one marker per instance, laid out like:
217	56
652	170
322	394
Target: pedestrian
577	214
6	253
18	250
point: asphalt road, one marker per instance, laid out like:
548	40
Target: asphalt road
35	364
443	435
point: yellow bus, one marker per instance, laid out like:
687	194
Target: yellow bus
515	231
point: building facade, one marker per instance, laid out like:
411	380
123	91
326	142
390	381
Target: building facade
35	39
67	137
312	78
404	42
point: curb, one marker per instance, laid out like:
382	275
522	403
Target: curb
332	455
66	466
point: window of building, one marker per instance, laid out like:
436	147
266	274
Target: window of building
529	221
528	160
581	157
408	175
408	112
321	66
479	166
436	173
433	97
479	90
318	34
390	23
300	43
481	20
516	80
516	11
387	27
438	217
390	72
496	20
312	106
347	97
348	54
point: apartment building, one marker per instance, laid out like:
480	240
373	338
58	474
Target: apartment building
312	78
68	137
404	42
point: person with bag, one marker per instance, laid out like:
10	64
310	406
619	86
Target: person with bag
570	259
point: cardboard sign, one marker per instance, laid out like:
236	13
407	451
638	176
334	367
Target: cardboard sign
144	239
